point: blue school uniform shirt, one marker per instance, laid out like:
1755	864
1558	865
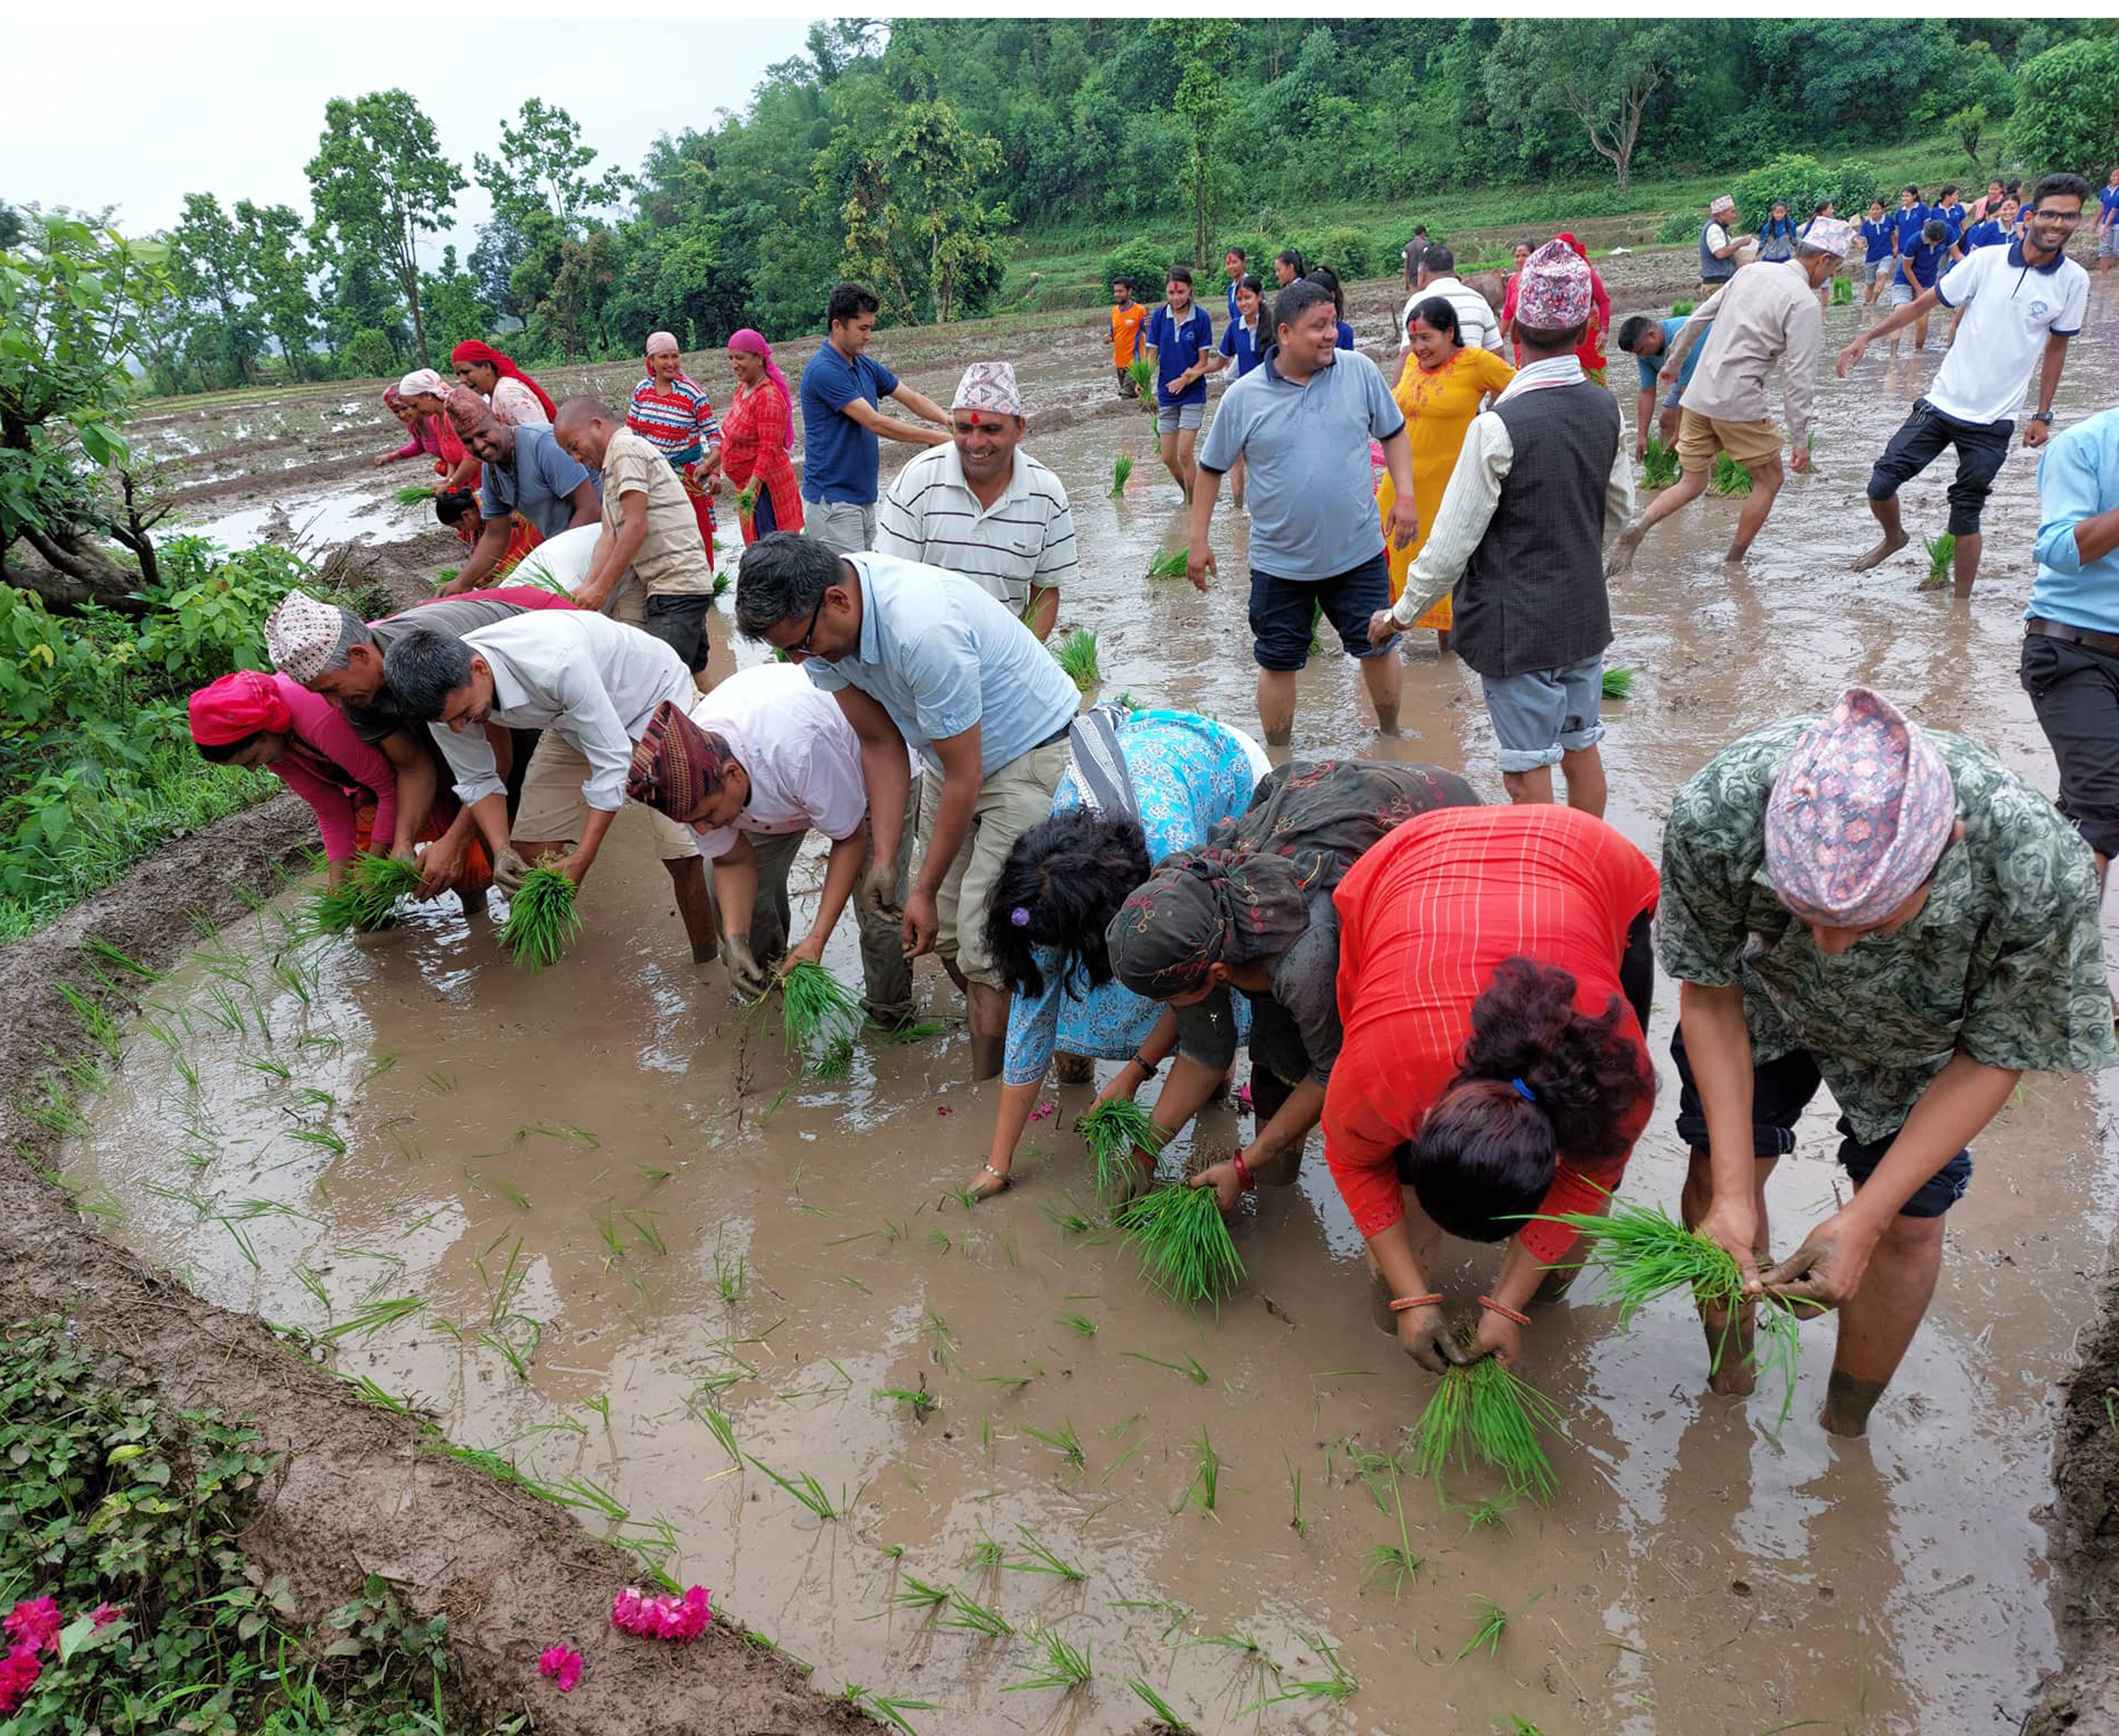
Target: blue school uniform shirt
1906	225
1953	214
1245	347
1346	339
1876	237
1989	234
1924	261
1233	313
2107	200
840	458
1177	345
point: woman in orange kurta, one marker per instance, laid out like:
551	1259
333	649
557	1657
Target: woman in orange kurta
1440	390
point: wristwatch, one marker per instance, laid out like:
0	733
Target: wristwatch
2042	415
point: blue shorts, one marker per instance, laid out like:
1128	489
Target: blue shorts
1284	613
1541	714
1780	1091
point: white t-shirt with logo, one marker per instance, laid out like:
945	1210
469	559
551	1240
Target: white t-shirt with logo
2010	309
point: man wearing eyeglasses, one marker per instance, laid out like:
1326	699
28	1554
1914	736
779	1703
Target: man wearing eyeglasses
2020	304
921	658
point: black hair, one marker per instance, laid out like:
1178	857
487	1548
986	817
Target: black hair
1121	277
1179	275
2063	183
223	753
1947	191
1233	248
1420	228
1909	188
422	669
1326	276
1821	207
1552	342
850	301
1292	257
783	577
1438	312
1631	330
1935	231
1065	879
1250	280
451	504
1485	1152
1300	296
2013	189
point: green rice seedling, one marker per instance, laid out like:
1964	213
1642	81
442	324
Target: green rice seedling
102	1028
220	1008
1337	1688
746	499
1492	1512
1141	372
971	1616
1728	477
819	1017
643	1226
1065	1668
378	1064
1166	1713
1941	556
1172	565
1296	1523
1183	1243
415	494
1113	1130
1618	682
589	1495
1070	1222
915	1030
1395	1561
723	1431
367	899
1658	464
986	1555
124	961
1076	655
1842	292
807	1491
940	1346
373	1316
731	1277
323	1137
1493	1624
1205	1486
1678	309
270	1066
891	1711
1190	1368
1486	1410
1062	1440
1077	1323
1012	1382
914	1593
541	922
1043	1560
923	1402
1121	468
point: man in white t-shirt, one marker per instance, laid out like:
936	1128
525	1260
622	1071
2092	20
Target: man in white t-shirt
1476	321
2021	304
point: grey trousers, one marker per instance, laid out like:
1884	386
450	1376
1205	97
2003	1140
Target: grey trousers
843	526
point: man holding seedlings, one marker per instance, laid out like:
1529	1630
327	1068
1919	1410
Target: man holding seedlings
1854	901
759	763
920	658
591	684
2022	304
1645	339
984	507
1301	422
525	471
841	425
1521	543
1765	318
1718	244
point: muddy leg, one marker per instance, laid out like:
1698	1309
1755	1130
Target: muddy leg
1382	675
1886	513
1964	561
1876	1326
987	1009
1765	484
1730	1369
1533	787
695	908
1276	705
1689	486
1073	1069
1583	770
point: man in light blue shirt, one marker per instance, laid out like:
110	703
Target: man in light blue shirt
1301	422
2071	661
917	656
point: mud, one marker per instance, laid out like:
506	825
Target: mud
596	1150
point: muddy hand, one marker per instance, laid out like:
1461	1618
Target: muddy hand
1223	1178
1827	1270
510	869
749	978
878	893
1427	1337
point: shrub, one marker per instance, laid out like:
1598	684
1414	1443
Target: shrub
1342	247
1680	226
1801	181
1143	263
2067	109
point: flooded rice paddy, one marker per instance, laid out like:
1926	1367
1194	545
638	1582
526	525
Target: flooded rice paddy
597	1223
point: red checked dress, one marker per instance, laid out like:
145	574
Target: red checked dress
1424	917
754	450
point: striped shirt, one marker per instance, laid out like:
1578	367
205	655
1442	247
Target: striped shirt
1024	542
676	423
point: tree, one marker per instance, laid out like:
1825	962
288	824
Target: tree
276	275
501	247
1200	46
206	266
1604	75
916	226
455	310
2067	109
379	181
540	168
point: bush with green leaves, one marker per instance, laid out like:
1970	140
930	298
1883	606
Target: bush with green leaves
1143	263
1801	181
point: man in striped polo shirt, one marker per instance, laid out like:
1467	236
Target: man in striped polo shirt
983	508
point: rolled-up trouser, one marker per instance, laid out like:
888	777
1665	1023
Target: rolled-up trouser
885	971
1013	798
552	809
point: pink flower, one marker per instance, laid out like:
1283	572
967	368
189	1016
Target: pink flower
35	1624
102	1615
562	1664
1042	1110
1244	1096
19	1671
661	1618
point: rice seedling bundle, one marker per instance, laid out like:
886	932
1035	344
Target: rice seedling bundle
1121	468
819	1018
1111	1131
1842	292
1169	565
1077	653
1658	464
1941	556
1644	1253
1487	1411
366	899
1618	682
1678	309
541	919
414	495
1183	1247
746	499
1730	479
1142	371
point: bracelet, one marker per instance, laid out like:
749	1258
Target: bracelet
1244	1173
1504	1310
1147	1067
1399	1304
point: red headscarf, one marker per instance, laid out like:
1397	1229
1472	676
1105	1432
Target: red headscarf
752	342
470	350
237	707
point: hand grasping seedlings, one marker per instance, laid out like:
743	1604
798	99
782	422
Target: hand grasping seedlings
541	922
1183	1243
366	899
1124	1143
1485	1408
819	1017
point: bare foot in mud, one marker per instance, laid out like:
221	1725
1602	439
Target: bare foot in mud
1731	1370
1847	1403
1734	555
1891	545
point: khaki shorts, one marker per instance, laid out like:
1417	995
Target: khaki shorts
552	810
1014	798
1701	438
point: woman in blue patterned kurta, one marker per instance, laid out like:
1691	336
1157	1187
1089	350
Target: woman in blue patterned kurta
1046	925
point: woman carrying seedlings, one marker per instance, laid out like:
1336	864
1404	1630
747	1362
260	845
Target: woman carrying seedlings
672	416
1493	980
1250	913
1139	788
1440	387
517	399
757	435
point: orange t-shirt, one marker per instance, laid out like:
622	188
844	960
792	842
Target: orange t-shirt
1125	332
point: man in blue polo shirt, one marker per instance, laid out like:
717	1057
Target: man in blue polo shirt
1645	339
1301	422
1180	335
841	390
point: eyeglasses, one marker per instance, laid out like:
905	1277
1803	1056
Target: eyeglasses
801	648
2070	218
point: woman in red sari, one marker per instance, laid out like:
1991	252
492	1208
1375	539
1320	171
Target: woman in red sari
516	399
756	435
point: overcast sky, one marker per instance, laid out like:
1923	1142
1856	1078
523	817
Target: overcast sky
183	103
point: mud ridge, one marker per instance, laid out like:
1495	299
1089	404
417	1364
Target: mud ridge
355	1492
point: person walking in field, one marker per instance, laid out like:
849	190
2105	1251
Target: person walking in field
2107	221
2022	304
675	416
1235	263
1476	319
1416	251
1302	423
1764	319
1854	901
984	507
1718	242
1776	235
1919	266
1179	339
843	425
1543	478
1880	253
1126	316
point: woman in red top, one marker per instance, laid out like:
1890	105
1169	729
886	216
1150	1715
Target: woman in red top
1493	980
757	435
1590	351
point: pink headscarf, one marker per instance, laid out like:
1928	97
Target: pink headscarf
754	343
237	707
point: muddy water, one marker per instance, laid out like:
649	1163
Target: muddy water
617	1207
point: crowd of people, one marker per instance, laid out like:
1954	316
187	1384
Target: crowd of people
1457	993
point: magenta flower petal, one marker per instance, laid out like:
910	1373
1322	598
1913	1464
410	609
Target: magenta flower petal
562	1664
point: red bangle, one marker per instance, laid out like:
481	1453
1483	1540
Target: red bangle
1244	1173
1504	1310
1399	1304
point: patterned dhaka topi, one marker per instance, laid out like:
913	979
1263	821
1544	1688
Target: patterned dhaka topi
1724	203
1830	235
1859	815
677	765
1553	292
305	637
467	412
989	386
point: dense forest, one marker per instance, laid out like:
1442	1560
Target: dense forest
920	157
